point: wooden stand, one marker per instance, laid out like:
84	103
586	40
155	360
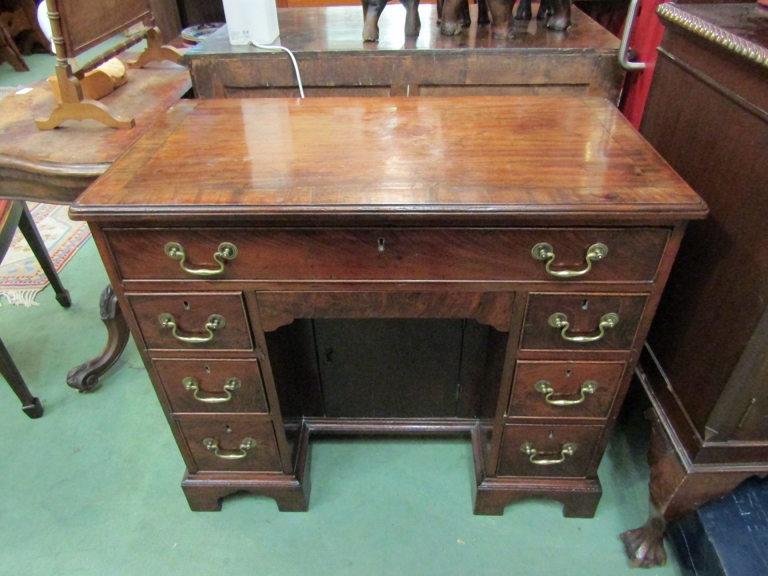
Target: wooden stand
73	106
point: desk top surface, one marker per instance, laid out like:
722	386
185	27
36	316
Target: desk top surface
87	148
348	158
340	29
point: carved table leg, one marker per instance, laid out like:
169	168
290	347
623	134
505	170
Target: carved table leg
675	491
85	377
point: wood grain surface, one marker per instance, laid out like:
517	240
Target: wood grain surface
352	156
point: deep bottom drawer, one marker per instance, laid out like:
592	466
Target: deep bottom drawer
540	450
232	444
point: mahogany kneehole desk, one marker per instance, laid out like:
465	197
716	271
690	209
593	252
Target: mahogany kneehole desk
450	266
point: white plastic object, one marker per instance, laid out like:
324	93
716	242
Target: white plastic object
262	21
251	21
236	15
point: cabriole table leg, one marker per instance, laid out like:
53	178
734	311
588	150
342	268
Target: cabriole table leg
85	378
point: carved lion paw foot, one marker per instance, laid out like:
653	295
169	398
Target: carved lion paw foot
645	546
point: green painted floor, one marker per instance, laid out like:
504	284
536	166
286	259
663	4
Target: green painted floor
93	487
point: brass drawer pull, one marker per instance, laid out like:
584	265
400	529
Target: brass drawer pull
545	388
560	320
230	386
227	251
528	448
543	251
215	321
213	445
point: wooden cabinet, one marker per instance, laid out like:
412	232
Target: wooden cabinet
340	273
705	368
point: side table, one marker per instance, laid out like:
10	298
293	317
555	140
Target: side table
56	166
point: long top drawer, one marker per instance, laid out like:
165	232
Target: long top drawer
512	254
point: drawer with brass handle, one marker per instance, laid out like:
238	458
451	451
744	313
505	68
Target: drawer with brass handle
542	450
588	322
231	444
213	385
564	389
514	254
192	321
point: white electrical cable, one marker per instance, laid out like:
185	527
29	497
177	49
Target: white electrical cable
295	65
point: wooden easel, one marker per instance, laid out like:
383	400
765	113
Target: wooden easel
75	30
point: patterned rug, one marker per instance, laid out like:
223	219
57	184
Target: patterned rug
21	277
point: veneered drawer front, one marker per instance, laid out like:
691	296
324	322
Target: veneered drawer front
237	444
197	318
553	451
213	385
587	322
388	254
565	389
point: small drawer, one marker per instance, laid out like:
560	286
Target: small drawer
587	322
192	321
551	451
389	254
213	385
235	444
565	389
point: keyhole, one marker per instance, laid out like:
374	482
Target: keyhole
567	373
585	304
551	434
380	243
186	305
329	355
227	428
207	369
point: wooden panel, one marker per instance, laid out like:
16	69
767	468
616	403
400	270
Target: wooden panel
229	434
717	291
211	376
548	442
279	308
584	313
85	23
389	254
192	312
566	379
